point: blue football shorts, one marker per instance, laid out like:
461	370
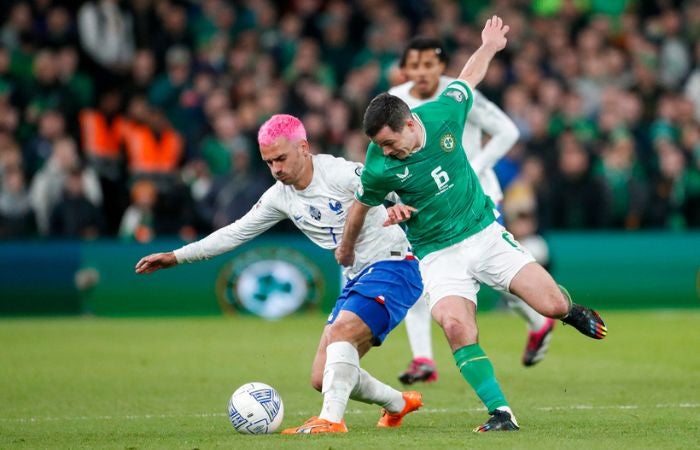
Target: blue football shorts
381	295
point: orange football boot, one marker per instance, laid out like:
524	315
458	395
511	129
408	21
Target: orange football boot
414	400
317	425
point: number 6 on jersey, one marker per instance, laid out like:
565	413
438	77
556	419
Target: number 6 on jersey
440	176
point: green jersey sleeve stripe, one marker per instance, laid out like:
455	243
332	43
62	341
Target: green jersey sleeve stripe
462	86
357	195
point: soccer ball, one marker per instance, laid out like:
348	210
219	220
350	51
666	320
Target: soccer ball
255	408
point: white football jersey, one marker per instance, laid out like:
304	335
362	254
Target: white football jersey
484	116
319	211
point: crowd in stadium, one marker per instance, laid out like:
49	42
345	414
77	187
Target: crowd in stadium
138	118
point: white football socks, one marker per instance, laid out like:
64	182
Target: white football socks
535	320
340	376
418	321
371	390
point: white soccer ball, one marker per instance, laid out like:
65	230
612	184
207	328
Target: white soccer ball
256	408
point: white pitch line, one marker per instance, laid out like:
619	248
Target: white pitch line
349	411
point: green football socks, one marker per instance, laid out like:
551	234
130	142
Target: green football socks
477	369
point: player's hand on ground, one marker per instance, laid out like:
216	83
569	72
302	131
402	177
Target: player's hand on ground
494	34
398	213
156	261
345	256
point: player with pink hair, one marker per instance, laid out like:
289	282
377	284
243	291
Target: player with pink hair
315	191
281	126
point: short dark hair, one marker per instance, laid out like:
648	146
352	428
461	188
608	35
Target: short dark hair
422	43
385	109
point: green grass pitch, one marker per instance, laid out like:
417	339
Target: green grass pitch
165	382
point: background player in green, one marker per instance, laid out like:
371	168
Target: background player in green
452	228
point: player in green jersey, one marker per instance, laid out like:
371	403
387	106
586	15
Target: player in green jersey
451	223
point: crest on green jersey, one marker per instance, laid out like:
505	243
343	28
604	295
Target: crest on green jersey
447	142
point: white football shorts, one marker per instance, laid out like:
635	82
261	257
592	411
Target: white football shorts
491	256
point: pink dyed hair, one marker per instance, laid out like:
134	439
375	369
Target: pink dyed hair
281	126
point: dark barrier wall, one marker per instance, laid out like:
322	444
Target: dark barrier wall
276	275
38	278
630	270
271	276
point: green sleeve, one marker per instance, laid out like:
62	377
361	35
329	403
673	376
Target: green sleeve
373	184
371	191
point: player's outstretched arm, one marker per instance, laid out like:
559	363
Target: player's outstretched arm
156	261
493	40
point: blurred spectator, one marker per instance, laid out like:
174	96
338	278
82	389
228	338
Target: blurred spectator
153	147
541	143
577	198
692	85
150	215
18	23
145	22
339	126
626	181
217	149
103	131
77	83
355	146
676	192
674	58
337	49
359	88
60	30
516	106
168	92
9	121
233	194
51	127
142	73
46	90
172	34
494	84
529	188
107	36
48	184
138	220
16	215
571	116
75	216
9	83
307	62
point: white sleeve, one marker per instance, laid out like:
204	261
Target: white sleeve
346	174
260	218
88	29
504	134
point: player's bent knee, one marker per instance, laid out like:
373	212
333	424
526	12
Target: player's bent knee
458	332
347	331
556	307
562	306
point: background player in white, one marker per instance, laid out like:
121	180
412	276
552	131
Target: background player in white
423	63
315	192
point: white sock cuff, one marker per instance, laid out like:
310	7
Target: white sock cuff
342	352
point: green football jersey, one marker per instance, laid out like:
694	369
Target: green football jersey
436	179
